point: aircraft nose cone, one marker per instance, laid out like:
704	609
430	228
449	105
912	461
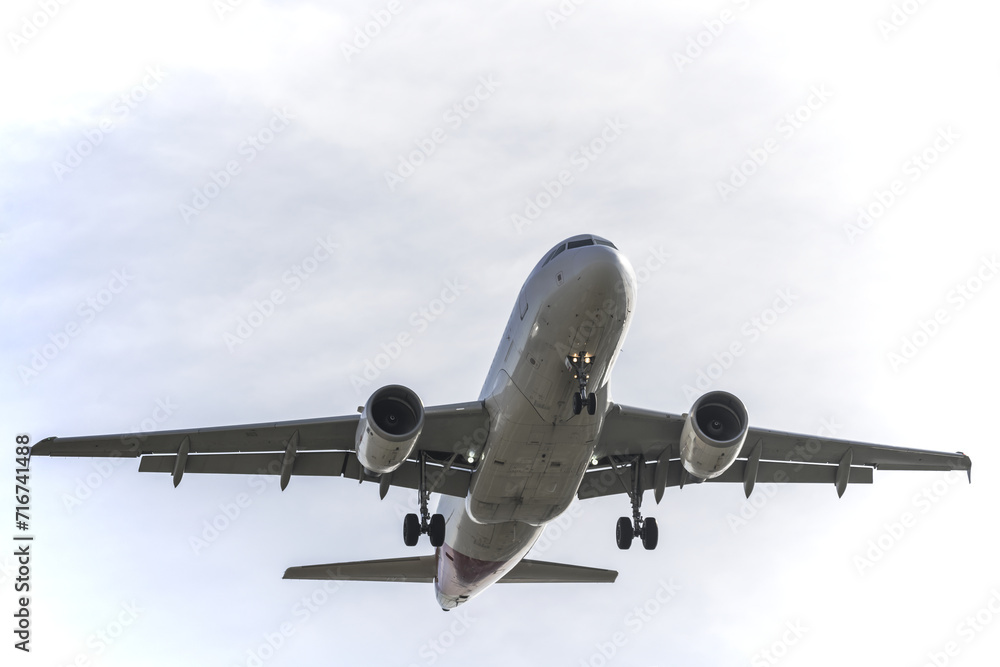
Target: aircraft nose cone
601	266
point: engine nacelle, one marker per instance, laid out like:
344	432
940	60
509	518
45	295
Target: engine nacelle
713	434
390	424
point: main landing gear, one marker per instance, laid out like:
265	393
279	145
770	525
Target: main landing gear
426	523
580	365
627	529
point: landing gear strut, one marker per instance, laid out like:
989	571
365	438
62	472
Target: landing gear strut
426	523
627	529
580	365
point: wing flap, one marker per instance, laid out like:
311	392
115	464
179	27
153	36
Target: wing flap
450	481
310	463
603	481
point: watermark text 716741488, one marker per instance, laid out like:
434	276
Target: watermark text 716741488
22	548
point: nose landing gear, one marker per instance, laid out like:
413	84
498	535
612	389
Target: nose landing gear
580	365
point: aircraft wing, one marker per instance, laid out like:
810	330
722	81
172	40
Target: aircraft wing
302	447
652	438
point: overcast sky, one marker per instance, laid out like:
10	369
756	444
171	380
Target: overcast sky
220	213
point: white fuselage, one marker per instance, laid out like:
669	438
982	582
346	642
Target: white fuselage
578	302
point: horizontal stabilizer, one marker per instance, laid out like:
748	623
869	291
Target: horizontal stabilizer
418	568
541	572
423	569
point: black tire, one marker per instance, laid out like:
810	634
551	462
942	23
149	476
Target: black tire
577	404
436	530
411	530
650	534
624	533
591	404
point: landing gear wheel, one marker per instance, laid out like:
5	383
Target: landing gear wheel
624	533
650	534
627	529
411	530
436	530
581	364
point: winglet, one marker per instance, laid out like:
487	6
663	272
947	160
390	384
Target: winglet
42	447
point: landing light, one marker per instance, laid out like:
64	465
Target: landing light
472	456
593	461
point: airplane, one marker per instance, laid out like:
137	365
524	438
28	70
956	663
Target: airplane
543	432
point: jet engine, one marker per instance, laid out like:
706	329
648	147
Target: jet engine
390	423
713	434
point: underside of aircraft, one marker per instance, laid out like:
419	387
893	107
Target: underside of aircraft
543	433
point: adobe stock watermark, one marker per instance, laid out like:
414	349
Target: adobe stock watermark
894	531
957	298
427	145
581	159
434	649
655	260
105	637
751	330
229	512
121	108
787	126
248	150
634	622
33	24
225	7
87	311
371	29
301	612
105	466
751	507
555	529
562	12
420	320
470	446
912	170
294	278
779	648
970	627
698	43
899	15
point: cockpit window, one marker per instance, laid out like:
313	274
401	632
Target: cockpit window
554	253
579	243
605	242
